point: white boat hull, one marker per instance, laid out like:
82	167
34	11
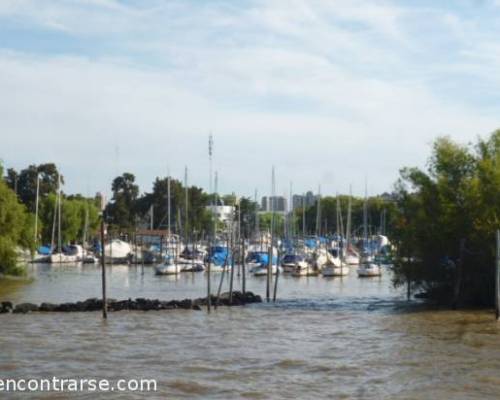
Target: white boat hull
219	268
288	268
334	270
58	258
196	267
352	260
262	271
305	270
168	269
368	270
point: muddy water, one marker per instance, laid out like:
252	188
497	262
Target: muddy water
338	338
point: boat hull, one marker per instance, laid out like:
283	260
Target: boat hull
369	270
171	269
335	271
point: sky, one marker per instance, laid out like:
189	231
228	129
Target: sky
332	93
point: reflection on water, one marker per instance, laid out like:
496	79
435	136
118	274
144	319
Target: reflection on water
336	338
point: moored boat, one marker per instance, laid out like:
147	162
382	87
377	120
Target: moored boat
168	267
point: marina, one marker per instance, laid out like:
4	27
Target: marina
249	200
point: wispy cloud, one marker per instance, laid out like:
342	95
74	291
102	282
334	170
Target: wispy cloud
321	89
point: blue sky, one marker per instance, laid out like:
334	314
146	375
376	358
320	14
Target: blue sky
330	92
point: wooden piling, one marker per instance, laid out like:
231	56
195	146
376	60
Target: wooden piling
103	272
231	278
497	278
277	277
243	278
224	268
142	255
209	296
269	273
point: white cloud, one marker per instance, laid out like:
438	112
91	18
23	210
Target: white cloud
318	89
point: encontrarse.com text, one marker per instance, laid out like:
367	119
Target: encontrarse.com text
77	385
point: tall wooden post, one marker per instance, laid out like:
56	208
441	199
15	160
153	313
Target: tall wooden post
243	278
277	276
231	277
497	278
142	255
269	273
103	272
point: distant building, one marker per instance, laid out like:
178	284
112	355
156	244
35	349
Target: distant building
276	203
221	211
309	199
101	198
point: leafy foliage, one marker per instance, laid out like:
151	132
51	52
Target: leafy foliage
15	229
457	200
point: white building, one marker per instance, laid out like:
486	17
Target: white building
223	213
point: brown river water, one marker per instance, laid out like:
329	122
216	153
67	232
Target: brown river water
346	338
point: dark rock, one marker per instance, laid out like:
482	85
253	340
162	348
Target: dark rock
5	307
48	307
186	304
92	304
24	308
66	307
196	307
119	305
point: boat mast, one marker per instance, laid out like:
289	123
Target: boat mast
318	213
257	227
59	239
186	205
291	227
365	215
303	216
54	220
348	227
36	208
85	227
270	264
210	151
168	211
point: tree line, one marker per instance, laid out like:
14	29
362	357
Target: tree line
447	217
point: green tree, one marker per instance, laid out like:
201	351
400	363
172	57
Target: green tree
16	229
24	182
121	211
446	222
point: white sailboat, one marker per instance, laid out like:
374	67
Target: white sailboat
170	266
75	252
335	266
305	268
262	270
351	257
367	267
290	262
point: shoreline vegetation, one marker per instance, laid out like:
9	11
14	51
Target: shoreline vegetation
441	220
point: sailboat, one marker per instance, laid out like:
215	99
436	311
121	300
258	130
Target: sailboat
170	265
87	258
351	257
335	266
305	268
75	252
367	267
